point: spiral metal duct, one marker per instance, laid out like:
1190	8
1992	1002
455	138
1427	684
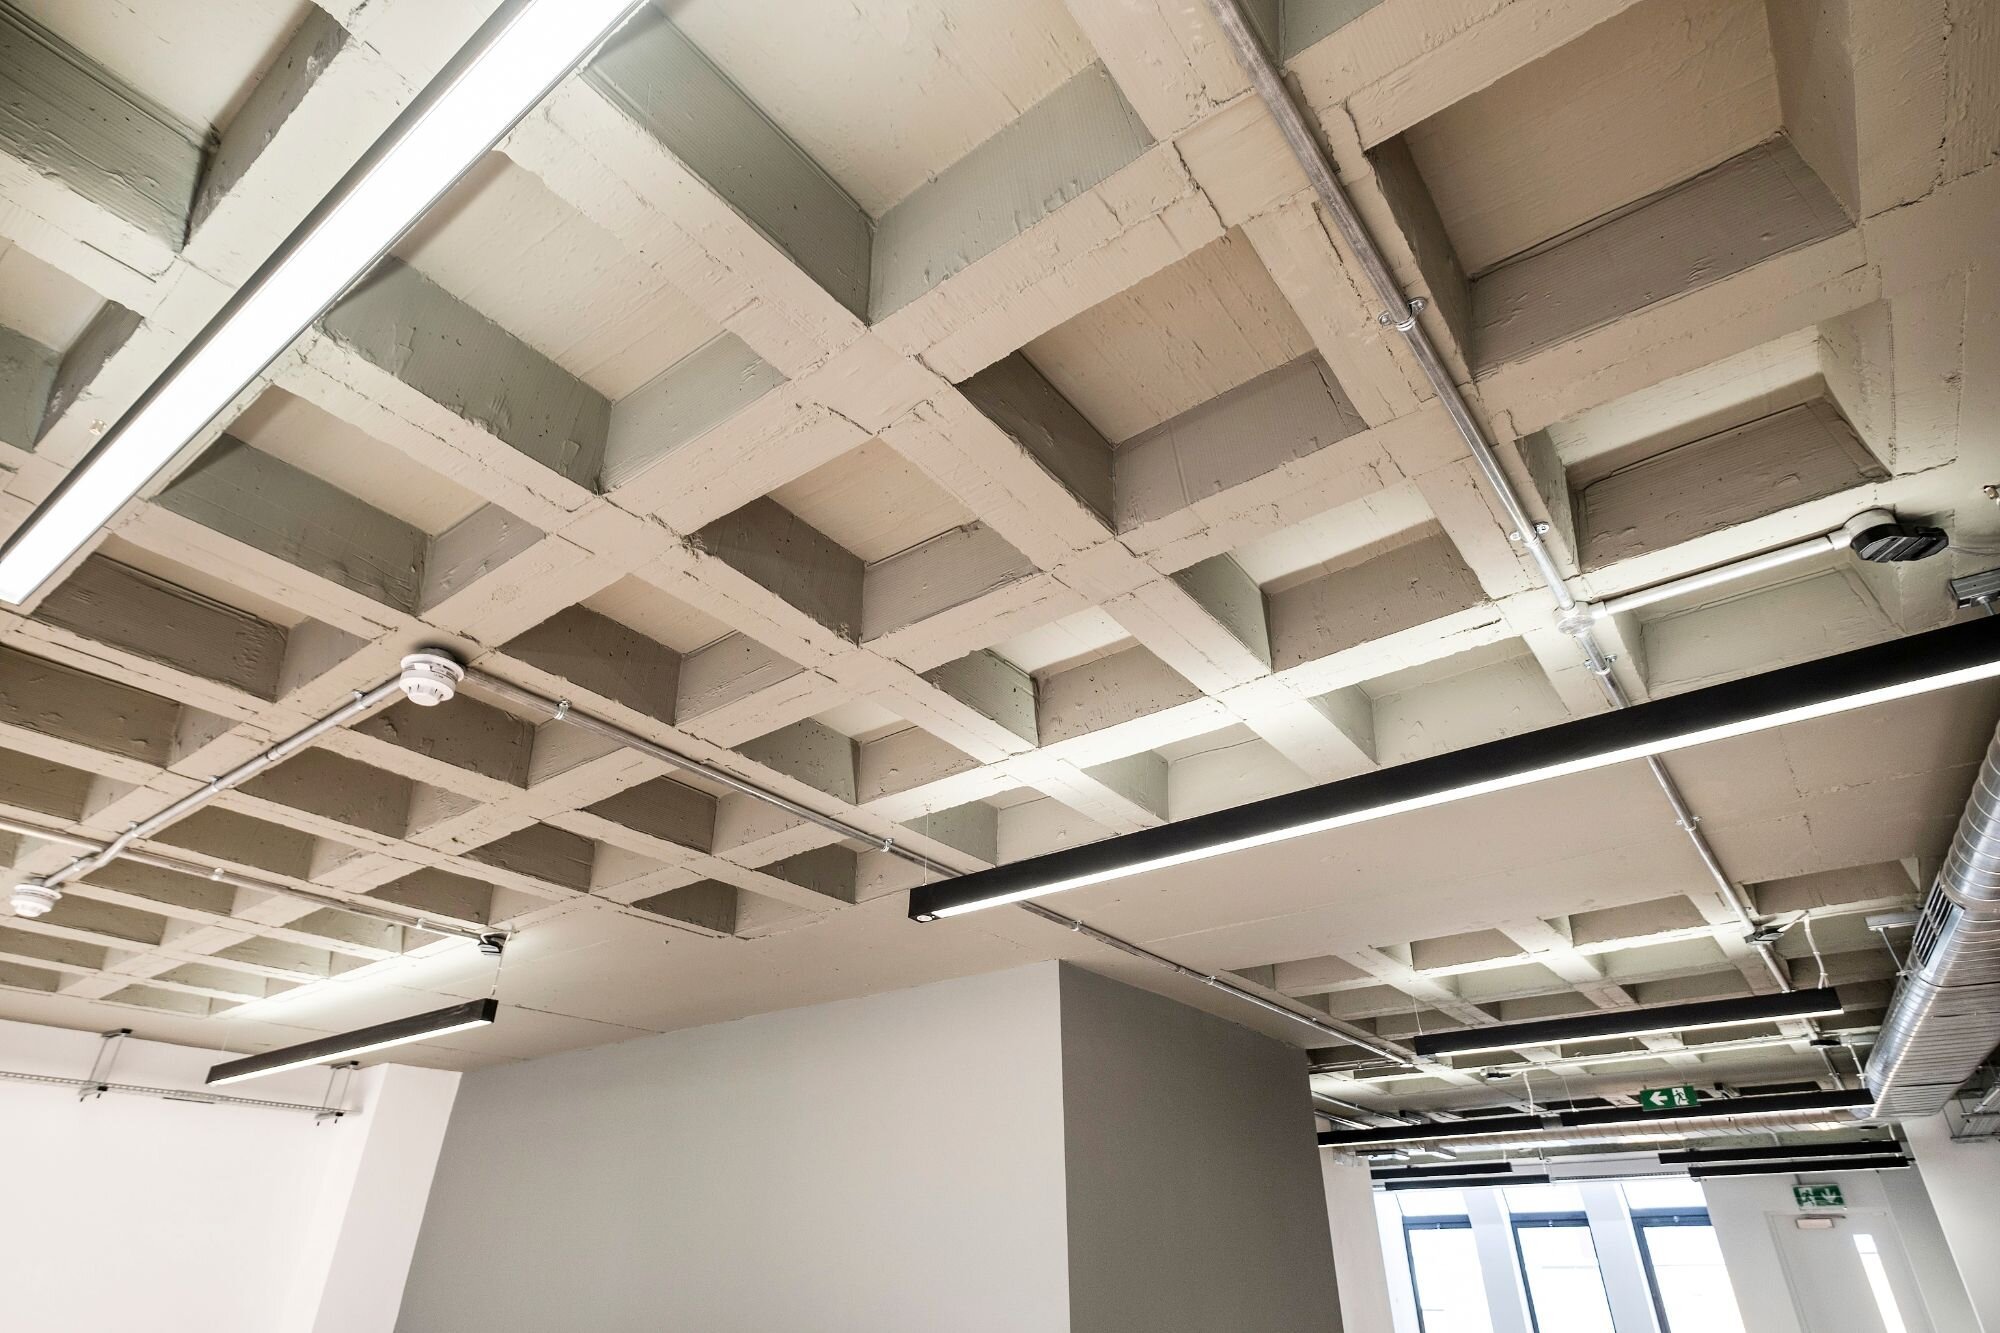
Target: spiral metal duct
1944	1019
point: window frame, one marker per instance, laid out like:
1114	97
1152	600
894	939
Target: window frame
1516	1222
1662	1217
1444	1222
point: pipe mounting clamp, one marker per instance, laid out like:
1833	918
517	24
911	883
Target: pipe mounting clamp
1579	619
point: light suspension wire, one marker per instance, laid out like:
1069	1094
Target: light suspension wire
496	78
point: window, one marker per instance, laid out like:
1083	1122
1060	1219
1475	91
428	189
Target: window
1444	1262
1540	1245
1558	1259
1683	1260
1565	1287
1444	1270
1684	1264
1878	1283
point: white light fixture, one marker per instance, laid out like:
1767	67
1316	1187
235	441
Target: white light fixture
507	67
398	1032
1899	669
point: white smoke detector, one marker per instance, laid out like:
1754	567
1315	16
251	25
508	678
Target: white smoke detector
429	678
32	899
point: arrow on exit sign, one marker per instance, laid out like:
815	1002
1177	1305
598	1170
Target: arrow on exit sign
1668	1099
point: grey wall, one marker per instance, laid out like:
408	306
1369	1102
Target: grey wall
1035	1151
885	1164
1195	1200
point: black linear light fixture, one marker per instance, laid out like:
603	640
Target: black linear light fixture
1866	1162
1472	1183
1782	1152
1918	664
1448	1170
1605	1025
1819	1099
396	1032
1838	1099
1469	1128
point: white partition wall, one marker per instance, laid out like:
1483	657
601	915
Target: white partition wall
1794	1280
1367	1304
130	1212
1963	1180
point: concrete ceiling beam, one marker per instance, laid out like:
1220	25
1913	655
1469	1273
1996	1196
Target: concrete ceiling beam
90	161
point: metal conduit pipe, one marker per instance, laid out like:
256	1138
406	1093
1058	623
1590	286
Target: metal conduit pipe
166	1094
425	678
1841	538
1332	1108
219	876
1345	1033
1401	314
561	710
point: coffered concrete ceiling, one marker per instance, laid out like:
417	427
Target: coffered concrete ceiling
957	417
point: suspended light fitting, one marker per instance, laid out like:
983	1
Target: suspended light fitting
1783	1103
397	1032
514	59
1783	1152
1894	1161
1919	664
1659	1021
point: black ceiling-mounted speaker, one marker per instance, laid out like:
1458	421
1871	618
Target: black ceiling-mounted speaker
1890	541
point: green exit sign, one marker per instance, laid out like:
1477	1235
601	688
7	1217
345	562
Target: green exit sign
1818	1196
1668	1099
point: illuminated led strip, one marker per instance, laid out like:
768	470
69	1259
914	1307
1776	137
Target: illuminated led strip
1900	669
494	80
397	1032
1663	1020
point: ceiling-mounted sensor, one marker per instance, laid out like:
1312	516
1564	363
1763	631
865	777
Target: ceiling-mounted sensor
429	678
32	899
1881	538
